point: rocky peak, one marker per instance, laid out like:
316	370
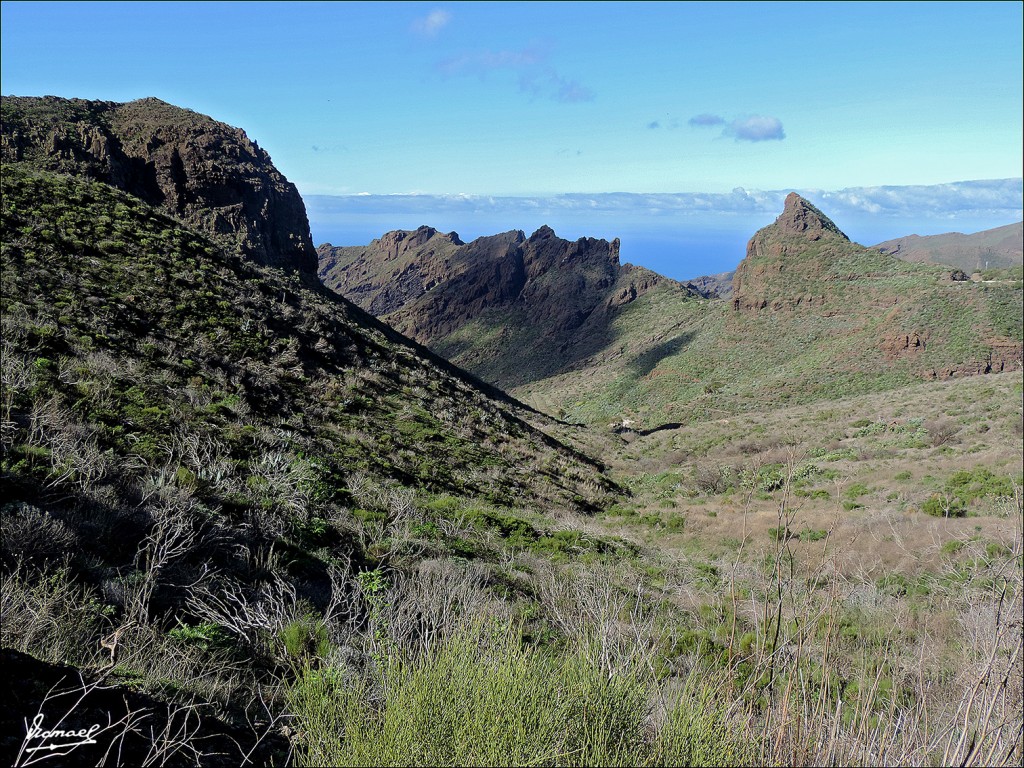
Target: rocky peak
399	242
788	261
799	217
207	174
544	232
554	299
544	251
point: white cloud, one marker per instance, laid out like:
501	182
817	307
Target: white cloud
431	24
756	128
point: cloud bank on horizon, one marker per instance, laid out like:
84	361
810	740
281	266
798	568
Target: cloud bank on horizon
990	199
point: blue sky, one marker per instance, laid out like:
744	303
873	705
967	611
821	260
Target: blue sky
534	100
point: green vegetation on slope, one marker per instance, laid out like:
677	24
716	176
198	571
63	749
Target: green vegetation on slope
242	497
812	321
125	322
218	462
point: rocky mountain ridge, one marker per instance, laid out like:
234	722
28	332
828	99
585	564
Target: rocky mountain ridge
204	172
554	294
812	314
800	249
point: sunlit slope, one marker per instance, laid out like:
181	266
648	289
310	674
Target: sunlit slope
813	316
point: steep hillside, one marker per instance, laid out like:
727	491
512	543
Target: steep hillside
510	308
216	466
208	174
101	288
173	415
999	248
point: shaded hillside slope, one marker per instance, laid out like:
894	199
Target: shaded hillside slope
131	328
510	308
208	174
999	248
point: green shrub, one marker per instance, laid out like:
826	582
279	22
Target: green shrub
507	705
805	471
968	485
697	731
856	490
938	505
810	534
205	635
304	637
770	477
952	546
872	428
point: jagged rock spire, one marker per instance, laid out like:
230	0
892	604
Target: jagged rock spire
799	217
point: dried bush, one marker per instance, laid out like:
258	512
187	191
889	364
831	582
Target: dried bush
50	616
713	479
33	535
433	602
941	431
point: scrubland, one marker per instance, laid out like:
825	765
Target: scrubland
240	507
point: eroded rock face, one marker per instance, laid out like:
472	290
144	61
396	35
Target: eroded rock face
208	174
1003	356
509	308
390	272
902	345
429	284
776	270
799	217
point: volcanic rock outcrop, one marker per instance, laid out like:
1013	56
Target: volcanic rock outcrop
208	174
508	307
787	260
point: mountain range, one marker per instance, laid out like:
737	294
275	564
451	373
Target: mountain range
513	309
999	248
563	326
270	504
